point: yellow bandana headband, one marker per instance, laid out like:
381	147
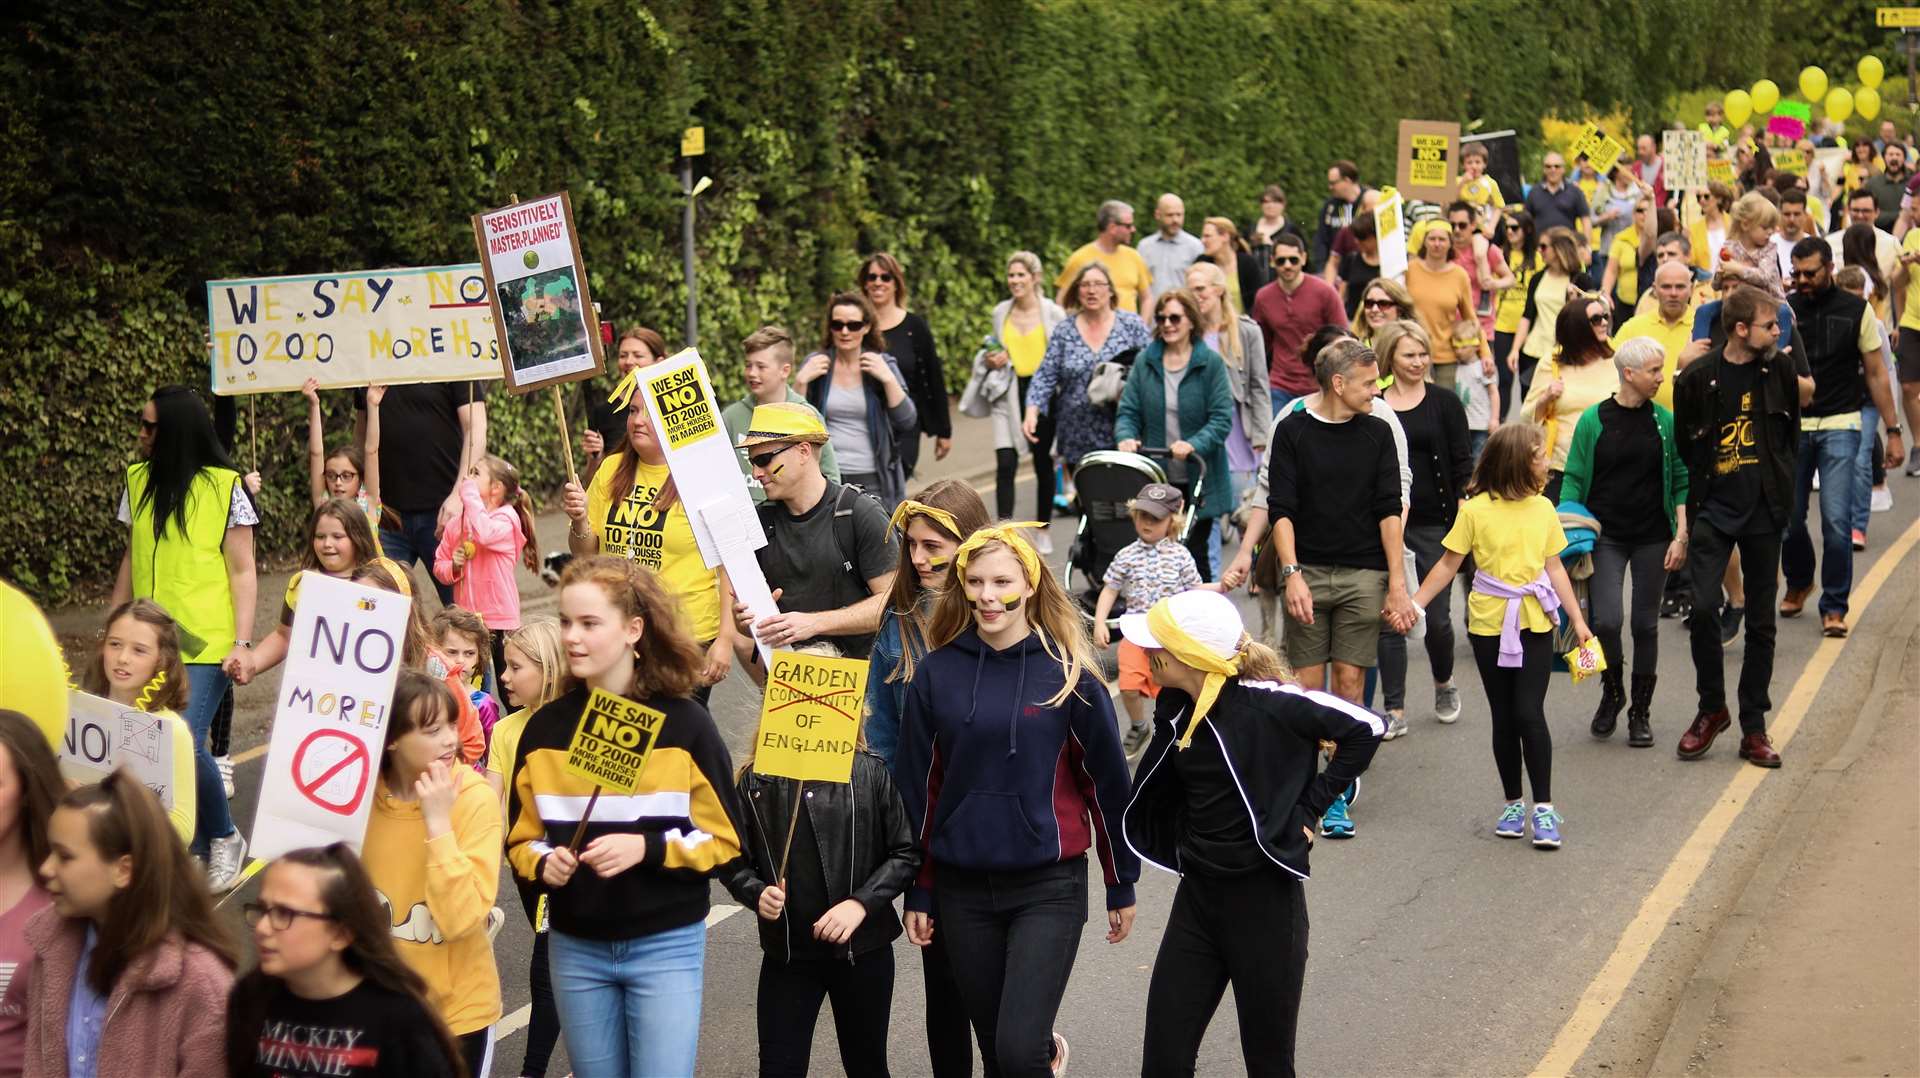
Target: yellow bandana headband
907	510
1195	654
1007	532
622	394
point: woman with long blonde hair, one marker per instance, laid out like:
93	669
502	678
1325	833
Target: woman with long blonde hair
1009	699
1240	343
1232	813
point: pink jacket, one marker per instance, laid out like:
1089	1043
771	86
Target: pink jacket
485	585
167	1015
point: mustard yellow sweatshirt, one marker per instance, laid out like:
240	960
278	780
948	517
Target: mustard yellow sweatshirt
438	903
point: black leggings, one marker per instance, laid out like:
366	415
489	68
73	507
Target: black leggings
790	997
543	1020
1517	697
949	1034
1249	931
476	1049
1197	534
1042	450
1006	472
1424	541
1502	344
1012	938
1613	563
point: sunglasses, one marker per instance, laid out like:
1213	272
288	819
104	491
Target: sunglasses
1462	226
883	277
1598	318
763	460
148	425
1378	304
1513	228
846	327
1805	275
1287	260
1173	319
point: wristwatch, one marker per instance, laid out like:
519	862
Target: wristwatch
1893	429
1287	571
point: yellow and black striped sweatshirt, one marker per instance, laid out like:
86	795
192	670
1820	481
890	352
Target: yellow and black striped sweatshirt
683	805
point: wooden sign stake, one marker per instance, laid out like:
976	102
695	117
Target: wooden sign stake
799	800
581	831
566	440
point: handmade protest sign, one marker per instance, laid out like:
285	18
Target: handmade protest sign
1790	160
537	285
103	736
427	324
1427	164
1601	149
1786	127
810	717
1390	225
1686	157
330	720
610	748
1720	169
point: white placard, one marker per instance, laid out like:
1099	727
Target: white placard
734	532
700	455
330	719
103	736
1686	157
530	256
1390	228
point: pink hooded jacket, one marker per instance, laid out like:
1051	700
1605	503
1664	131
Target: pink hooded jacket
167	1014
485	585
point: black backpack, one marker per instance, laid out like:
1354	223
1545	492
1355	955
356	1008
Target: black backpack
843	537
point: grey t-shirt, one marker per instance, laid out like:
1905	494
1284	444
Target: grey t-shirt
847	425
1172	390
804	559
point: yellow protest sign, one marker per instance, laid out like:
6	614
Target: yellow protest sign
1721	170
810	717
1603	150
1790	161
687	413
1426	166
1897	18
615	737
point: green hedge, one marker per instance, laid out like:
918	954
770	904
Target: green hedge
145	153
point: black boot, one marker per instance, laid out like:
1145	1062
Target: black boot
1639	726
1612	699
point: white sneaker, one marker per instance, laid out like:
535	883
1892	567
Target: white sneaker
1882	499
496	919
225	766
225	858
1446	703
1396	725
1045	544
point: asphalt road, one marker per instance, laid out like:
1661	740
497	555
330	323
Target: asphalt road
1436	948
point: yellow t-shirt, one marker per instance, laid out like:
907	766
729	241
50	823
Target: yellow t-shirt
500	751
1581	388
1483	194
1624	252
1026	350
1131	277
1513	300
1673	340
1511	541
1910	316
661	541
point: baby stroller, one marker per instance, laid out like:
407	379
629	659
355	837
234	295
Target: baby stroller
1103	484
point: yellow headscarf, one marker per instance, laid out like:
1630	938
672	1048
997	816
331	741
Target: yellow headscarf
1007	532
1417	239
1197	655
622	394
907	510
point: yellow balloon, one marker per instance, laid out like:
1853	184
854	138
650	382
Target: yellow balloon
1867	102
1840	103
1765	95
1813	83
1738	107
1871	71
33	680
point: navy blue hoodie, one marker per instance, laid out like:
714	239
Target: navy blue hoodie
994	778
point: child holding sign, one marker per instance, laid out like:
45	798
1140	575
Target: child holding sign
822	934
627	940
433	851
138	666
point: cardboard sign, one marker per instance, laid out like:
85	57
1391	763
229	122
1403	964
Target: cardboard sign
1602	149
1786	127
810	717
1799	110
1790	161
330	720
271	334
103	736
615	737
1720	169
1686	157
1428	161
1390	226
530	256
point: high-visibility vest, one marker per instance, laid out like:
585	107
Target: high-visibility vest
186	572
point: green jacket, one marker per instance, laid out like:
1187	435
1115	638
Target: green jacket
1579	472
1206	416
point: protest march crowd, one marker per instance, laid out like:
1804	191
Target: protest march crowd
1598	385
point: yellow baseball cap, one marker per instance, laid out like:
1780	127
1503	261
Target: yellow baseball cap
783	422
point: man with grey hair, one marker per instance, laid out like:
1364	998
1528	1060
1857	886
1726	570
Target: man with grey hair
1131	277
1624	467
1334	499
1170	250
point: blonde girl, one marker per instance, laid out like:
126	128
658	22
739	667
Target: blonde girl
1240	343
1008	703
138	666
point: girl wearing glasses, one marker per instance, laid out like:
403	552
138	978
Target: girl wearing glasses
328	967
131	967
858	388
1580	375
1177	399
910	343
347	470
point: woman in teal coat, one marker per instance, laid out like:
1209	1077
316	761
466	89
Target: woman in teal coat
1178	366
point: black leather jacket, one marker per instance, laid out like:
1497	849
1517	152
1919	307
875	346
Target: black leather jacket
874	862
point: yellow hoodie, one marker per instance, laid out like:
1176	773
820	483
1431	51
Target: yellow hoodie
438	903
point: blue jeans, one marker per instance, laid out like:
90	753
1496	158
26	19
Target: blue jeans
414	538
1831	453
1281	398
1863	468
206	684
630	1008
